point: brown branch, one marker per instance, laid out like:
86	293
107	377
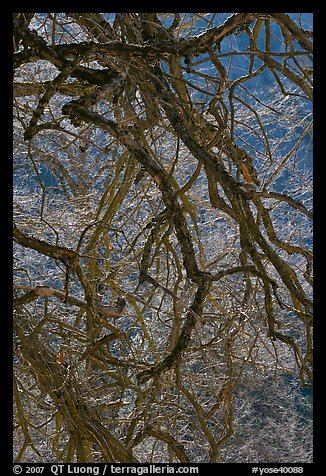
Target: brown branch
295	31
66	255
217	34
172	358
283	198
172	443
20	19
285	71
34	89
51	54
34	293
95	24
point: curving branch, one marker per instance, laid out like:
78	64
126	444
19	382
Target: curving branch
282	198
34	293
196	309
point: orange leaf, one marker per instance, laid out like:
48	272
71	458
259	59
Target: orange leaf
60	357
246	174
